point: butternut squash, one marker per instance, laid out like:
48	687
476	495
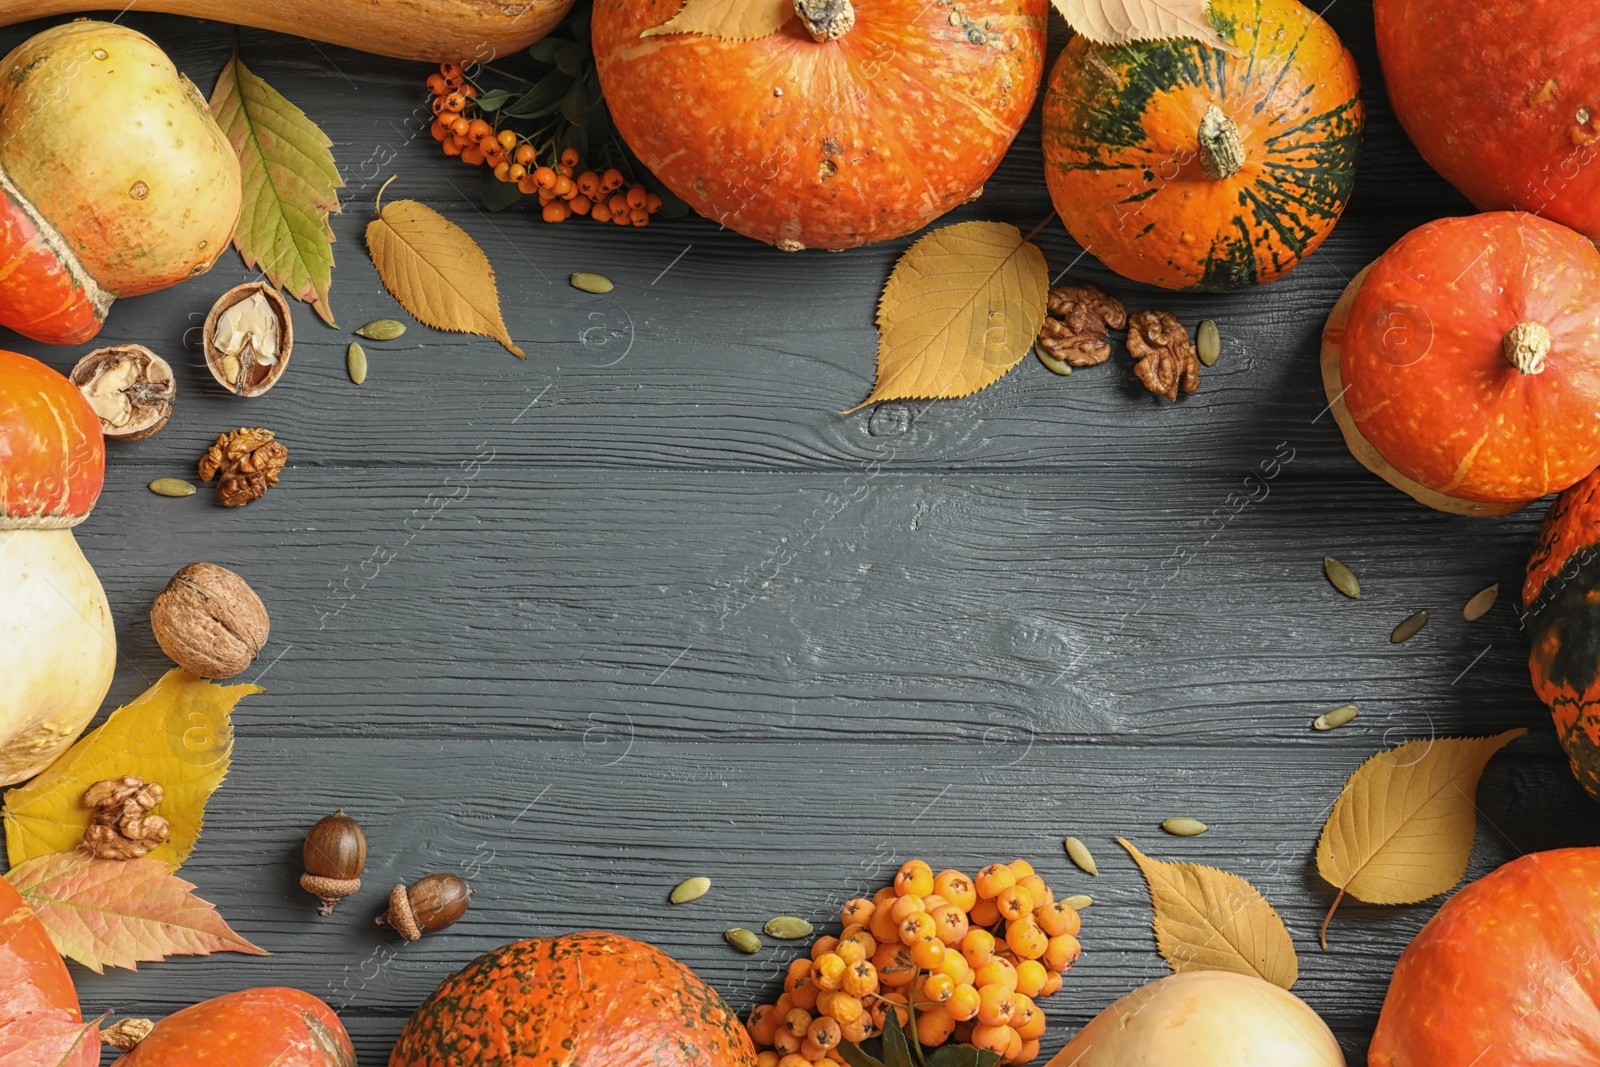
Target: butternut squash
430	30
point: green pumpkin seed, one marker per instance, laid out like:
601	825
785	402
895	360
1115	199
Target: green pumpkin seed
1208	342
1342	577
787	928
171	487
382	330
1078	901
1079	853
690	889
744	940
591	283
1180	827
1337	717
355	361
1056	366
1481	602
1409	627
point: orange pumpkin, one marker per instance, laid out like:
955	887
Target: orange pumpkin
863	121
582	1000
1187	167
39	1017
1506	974
268	1027
1464	364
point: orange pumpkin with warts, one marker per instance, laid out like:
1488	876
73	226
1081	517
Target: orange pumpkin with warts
268	1027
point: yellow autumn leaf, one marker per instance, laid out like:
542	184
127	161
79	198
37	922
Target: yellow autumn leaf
1402	829
1210	920
1122	21
436	270
731	20
962	307
178	734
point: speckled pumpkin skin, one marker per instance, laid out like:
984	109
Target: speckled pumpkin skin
1122	159
1562	595
1506	974
582	1000
825	145
267	1027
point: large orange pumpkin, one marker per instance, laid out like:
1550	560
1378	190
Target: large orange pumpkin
1183	166
1502	97
1507	974
863	121
39	1017
1464	364
582	1000
267	1027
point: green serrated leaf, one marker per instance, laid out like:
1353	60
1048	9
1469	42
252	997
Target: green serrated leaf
496	194
545	96
491	100
896	1052
855	1056
544	51
290	184
985	1058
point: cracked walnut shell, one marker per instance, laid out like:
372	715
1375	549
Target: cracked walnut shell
130	388
246	462
248	337
1077	328
1165	359
209	621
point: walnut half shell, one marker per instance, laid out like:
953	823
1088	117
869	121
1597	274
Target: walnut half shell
131	389
255	367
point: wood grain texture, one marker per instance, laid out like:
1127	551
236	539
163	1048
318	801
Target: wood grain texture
645	606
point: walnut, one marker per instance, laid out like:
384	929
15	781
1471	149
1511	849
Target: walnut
210	621
121	827
1165	357
1077	328
247	339
247	462
130	388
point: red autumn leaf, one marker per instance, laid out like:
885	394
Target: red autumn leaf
121	912
36	1033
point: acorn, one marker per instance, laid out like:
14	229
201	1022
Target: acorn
334	854
432	903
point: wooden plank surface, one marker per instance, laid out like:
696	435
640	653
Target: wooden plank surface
646	606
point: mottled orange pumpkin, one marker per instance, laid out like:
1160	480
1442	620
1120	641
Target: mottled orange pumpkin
1184	166
807	140
39	1017
268	1027
582	1000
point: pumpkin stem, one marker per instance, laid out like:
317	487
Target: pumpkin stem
1221	148
826	20
1525	345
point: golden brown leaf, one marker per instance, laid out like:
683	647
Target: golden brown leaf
1210	920
1122	21
436	270
1402	829
961	308
178	734
731	20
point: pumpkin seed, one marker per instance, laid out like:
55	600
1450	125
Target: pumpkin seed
787	928
382	330
1481	602
1342	577
171	487
591	283
744	940
1079	853
1209	343
1337	717
1409	627
1181	827
1078	901
1056	366
355	361
690	889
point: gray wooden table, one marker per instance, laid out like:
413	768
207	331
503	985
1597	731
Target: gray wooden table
644	606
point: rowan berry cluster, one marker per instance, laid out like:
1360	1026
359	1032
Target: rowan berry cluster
955	958
554	176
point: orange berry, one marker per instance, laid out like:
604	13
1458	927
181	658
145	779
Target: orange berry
1031	977
1036	888
846	1008
1024	937
469	91
907	906
1057	918
767	1058
995	1004
1052	985
569	157
977	946
785	1042
640	216
554	212
927	952
953	965
619	206
883	926
805	993
588	180
1061	952
992	1038
894	964
1020	868
784	1006
1014	1048
447	119
983	913
850	950
461	127
455	102
932	901
858	910
450	70
996	972
856	1030
914	876
963	1003
517	171
452	147
623	219
762	1023
956	888
939	987
563	170
1027	1019
436	84
652	203
822	946
916	927
1028	1052
796	1021
600	213
934	1027
830	968
860	979
796	970
507	139
992	879
1014	903
564	188
793	1059
472	155
824	1033
951	923
502	171
638	198
478	129
544	177
525	154
438	130
612	179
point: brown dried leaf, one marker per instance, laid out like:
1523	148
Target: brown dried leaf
730	20
962	308
1122	21
436	270
1210	920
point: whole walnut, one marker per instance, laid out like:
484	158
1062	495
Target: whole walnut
209	621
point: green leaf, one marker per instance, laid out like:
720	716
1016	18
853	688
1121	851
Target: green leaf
855	1057
492	99
570	60
496	194
544	50
896	1052
575	105
953	1056
574	137
290	185
545	96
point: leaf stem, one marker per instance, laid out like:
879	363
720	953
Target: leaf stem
378	204
1042	224
1322	934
